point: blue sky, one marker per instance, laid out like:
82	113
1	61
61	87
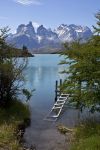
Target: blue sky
50	13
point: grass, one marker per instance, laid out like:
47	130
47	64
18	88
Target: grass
9	120
7	139
87	136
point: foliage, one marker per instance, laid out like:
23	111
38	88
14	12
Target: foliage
83	76
27	93
15	113
7	139
11	85
11	71
25	52
10	118
87	136
97	28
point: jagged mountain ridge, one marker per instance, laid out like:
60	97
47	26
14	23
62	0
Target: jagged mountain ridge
73	32
45	38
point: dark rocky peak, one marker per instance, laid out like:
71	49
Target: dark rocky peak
46	33
41	30
26	29
29	25
30	29
62	26
73	26
20	28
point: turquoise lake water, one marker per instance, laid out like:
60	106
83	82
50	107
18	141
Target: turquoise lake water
41	73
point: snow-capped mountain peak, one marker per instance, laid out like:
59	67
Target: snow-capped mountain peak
25	29
43	37
73	32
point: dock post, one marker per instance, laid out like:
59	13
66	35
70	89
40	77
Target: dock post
60	85
56	90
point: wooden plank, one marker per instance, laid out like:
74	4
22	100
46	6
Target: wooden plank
58	104
56	107
65	94
61	101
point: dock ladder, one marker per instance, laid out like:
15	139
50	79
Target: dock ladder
57	107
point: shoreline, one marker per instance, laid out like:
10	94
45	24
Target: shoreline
13	123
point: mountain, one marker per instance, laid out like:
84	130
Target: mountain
44	39
25	35
73	32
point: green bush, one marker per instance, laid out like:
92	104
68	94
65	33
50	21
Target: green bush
10	118
87	137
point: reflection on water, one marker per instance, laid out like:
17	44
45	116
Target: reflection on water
41	74
36	75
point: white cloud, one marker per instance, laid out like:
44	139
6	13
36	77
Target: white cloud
28	2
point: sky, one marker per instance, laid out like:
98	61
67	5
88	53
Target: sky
50	13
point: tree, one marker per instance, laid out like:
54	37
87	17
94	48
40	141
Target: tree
24	50
11	71
83	80
97	28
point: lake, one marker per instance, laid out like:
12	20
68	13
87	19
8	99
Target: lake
41	73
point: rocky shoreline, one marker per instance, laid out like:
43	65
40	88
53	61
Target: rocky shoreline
19	132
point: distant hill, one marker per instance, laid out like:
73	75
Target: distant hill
46	40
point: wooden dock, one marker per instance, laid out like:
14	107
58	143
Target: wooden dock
57	107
